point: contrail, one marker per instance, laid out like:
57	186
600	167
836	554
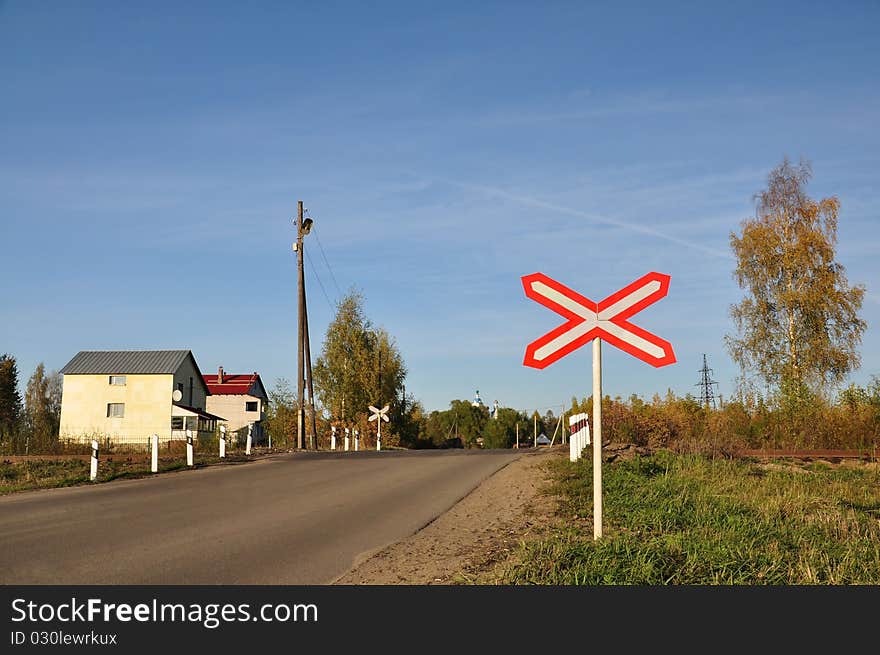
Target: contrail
596	218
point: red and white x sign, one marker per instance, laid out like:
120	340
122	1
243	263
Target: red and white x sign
606	320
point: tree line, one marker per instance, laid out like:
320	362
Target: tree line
29	423
797	335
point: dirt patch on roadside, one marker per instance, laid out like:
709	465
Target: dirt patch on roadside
468	543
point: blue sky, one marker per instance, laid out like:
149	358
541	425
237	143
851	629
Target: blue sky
151	158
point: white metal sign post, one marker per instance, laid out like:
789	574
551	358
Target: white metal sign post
357	435
580	435
597	321
250	439
222	441
332	437
154	457
379	415
347	432
597	438
189	447
93	469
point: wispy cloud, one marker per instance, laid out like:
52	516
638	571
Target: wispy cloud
585	106
539	203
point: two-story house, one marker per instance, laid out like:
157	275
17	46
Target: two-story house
128	395
240	398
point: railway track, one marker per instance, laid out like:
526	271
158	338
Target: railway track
866	454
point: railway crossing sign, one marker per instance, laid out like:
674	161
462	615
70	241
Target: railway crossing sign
379	415
597	322
379	412
606	320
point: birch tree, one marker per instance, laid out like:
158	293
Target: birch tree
359	365
798	325
42	402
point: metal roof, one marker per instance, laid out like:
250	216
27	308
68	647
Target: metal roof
233	384
121	362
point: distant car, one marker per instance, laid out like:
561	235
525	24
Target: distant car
543	440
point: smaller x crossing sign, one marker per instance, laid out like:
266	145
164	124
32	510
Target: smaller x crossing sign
376	416
377	413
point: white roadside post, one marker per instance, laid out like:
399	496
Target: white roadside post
93	470
347	432
332	437
580	435
189	447
247	449
357	434
588	320
222	441
379	415
154	456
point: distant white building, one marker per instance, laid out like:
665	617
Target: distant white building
477	402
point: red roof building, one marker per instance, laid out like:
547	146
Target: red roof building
240	397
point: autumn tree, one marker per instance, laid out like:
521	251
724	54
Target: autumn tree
10	398
359	365
281	416
42	403
798	326
409	421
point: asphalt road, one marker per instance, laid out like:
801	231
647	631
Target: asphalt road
302	518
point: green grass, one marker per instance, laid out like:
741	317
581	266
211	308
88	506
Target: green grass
686	520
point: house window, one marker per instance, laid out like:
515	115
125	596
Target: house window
177	423
117	380
115	410
250	406
207	424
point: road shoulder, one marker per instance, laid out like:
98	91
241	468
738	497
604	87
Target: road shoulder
473	538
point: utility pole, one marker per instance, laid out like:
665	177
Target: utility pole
563	424
301	297
313	438
303	227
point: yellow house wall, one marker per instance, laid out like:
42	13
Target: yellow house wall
147	401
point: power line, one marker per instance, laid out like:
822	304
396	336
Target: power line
324	255
320	284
